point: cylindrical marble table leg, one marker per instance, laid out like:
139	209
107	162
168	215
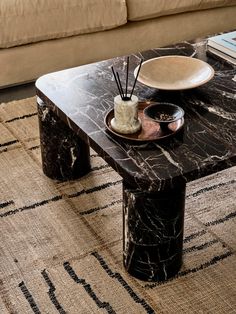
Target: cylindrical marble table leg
153	226
64	155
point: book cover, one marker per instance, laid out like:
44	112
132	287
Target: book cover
224	42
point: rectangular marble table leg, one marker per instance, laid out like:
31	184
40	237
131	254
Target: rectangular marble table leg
153	226
64	155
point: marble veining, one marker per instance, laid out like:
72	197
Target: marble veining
64	155
72	107
153	232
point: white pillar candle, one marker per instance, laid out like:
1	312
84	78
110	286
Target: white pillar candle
126	118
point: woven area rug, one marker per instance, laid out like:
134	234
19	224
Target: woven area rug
61	243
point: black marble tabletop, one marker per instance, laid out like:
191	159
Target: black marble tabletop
82	96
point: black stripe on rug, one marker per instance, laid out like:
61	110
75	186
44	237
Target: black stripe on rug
124	284
88	289
200	247
221	220
95	209
210	188
194	235
34	147
59	197
9	143
29	297
5	204
21	209
95	189
51	293
211	262
21	117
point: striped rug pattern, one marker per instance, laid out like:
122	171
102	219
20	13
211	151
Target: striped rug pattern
61	242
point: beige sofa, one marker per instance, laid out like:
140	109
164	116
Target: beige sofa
37	37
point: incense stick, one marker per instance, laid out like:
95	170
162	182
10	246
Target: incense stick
127	77
122	92
136	79
116	81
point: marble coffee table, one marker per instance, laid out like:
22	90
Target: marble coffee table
72	105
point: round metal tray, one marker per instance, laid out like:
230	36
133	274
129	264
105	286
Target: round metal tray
150	130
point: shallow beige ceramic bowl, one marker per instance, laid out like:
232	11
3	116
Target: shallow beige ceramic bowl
174	72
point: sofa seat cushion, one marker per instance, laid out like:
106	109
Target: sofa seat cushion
27	21
147	9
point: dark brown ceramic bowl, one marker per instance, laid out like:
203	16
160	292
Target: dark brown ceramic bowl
164	113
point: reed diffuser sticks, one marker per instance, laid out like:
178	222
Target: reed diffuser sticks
125	95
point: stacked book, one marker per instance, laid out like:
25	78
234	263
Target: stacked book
223	46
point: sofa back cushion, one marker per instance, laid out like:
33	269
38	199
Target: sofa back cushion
27	21
147	9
